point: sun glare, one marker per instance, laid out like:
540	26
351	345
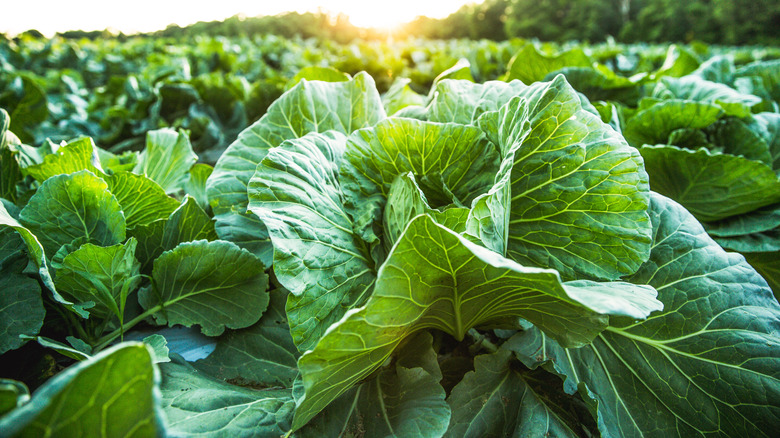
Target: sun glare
150	15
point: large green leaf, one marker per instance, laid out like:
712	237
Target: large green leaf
167	158
317	257
112	394
697	89
261	355
579	193
307	107
21	309
198	405
464	101
435	278
708	365
655	124
73	157
403	400
529	65
103	275
211	284
712	186
143	201
38	256
68	207
499	399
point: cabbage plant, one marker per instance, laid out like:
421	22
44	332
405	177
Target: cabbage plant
490	264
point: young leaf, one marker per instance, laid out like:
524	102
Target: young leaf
166	159
295	192
464	101
451	163
212	284
709	364
195	185
143	201
100	274
111	394
75	156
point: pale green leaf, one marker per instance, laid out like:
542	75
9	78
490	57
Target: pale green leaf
143	201
317	257
308	107
464	101
167	158
579	193
100	274
75	156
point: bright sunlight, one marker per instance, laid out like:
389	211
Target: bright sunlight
49	16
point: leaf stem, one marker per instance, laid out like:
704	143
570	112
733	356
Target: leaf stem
107	339
481	342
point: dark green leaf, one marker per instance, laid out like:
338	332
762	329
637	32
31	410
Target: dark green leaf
198	405
212	284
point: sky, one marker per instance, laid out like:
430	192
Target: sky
50	16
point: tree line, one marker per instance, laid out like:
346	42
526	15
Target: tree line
727	22
730	22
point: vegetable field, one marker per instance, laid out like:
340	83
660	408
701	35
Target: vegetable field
411	239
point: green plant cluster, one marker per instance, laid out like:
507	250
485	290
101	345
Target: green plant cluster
552	252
